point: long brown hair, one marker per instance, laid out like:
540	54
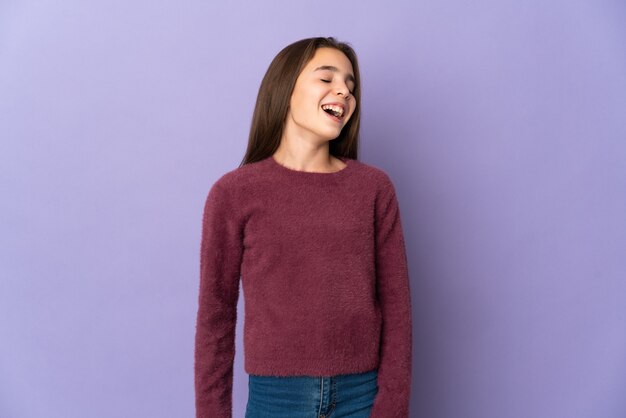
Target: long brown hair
274	96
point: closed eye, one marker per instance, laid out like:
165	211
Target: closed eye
328	81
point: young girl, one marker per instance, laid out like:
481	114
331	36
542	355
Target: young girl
316	238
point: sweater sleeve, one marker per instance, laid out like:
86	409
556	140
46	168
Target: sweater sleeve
220	260
394	297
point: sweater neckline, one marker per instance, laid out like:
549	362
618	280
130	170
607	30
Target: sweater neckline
312	174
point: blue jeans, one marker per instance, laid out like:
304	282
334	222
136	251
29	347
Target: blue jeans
341	396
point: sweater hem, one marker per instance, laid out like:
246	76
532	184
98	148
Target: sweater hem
310	367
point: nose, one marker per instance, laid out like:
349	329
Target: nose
343	90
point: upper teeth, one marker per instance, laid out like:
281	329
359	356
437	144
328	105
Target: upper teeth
338	110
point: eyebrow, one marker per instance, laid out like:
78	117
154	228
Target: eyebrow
332	68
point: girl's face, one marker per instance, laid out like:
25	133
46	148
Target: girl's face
327	79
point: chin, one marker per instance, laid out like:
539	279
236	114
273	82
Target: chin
332	136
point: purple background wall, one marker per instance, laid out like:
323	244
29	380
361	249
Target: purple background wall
502	124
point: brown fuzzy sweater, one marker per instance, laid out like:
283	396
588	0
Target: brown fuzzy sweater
325	281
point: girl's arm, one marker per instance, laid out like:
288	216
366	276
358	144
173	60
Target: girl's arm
220	260
394	296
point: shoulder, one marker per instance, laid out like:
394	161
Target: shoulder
234	183
237	177
375	176
386	204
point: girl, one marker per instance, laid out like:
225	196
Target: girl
316	238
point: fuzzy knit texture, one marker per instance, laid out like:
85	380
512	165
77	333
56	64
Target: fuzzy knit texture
322	262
